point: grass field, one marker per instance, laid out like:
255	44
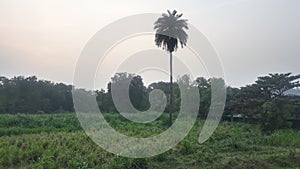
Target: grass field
57	141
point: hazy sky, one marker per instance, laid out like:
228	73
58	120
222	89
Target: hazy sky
252	37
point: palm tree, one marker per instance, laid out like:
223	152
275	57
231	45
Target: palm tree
170	29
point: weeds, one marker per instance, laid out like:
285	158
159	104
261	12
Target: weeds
57	141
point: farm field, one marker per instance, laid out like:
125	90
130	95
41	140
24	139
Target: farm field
57	141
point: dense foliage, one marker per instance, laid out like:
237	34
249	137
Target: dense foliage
29	95
265	101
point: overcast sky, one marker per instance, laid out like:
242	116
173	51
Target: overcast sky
252	37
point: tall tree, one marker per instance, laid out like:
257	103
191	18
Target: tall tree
204	86
170	29
137	90
267	100
275	85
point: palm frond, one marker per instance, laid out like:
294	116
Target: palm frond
170	30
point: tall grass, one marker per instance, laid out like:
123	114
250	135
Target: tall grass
57	141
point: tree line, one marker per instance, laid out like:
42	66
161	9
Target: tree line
30	95
265	100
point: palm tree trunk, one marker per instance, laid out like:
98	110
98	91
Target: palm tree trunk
171	89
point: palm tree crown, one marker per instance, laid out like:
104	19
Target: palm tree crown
169	30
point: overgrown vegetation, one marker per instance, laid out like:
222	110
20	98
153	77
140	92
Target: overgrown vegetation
35	131
264	101
57	141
